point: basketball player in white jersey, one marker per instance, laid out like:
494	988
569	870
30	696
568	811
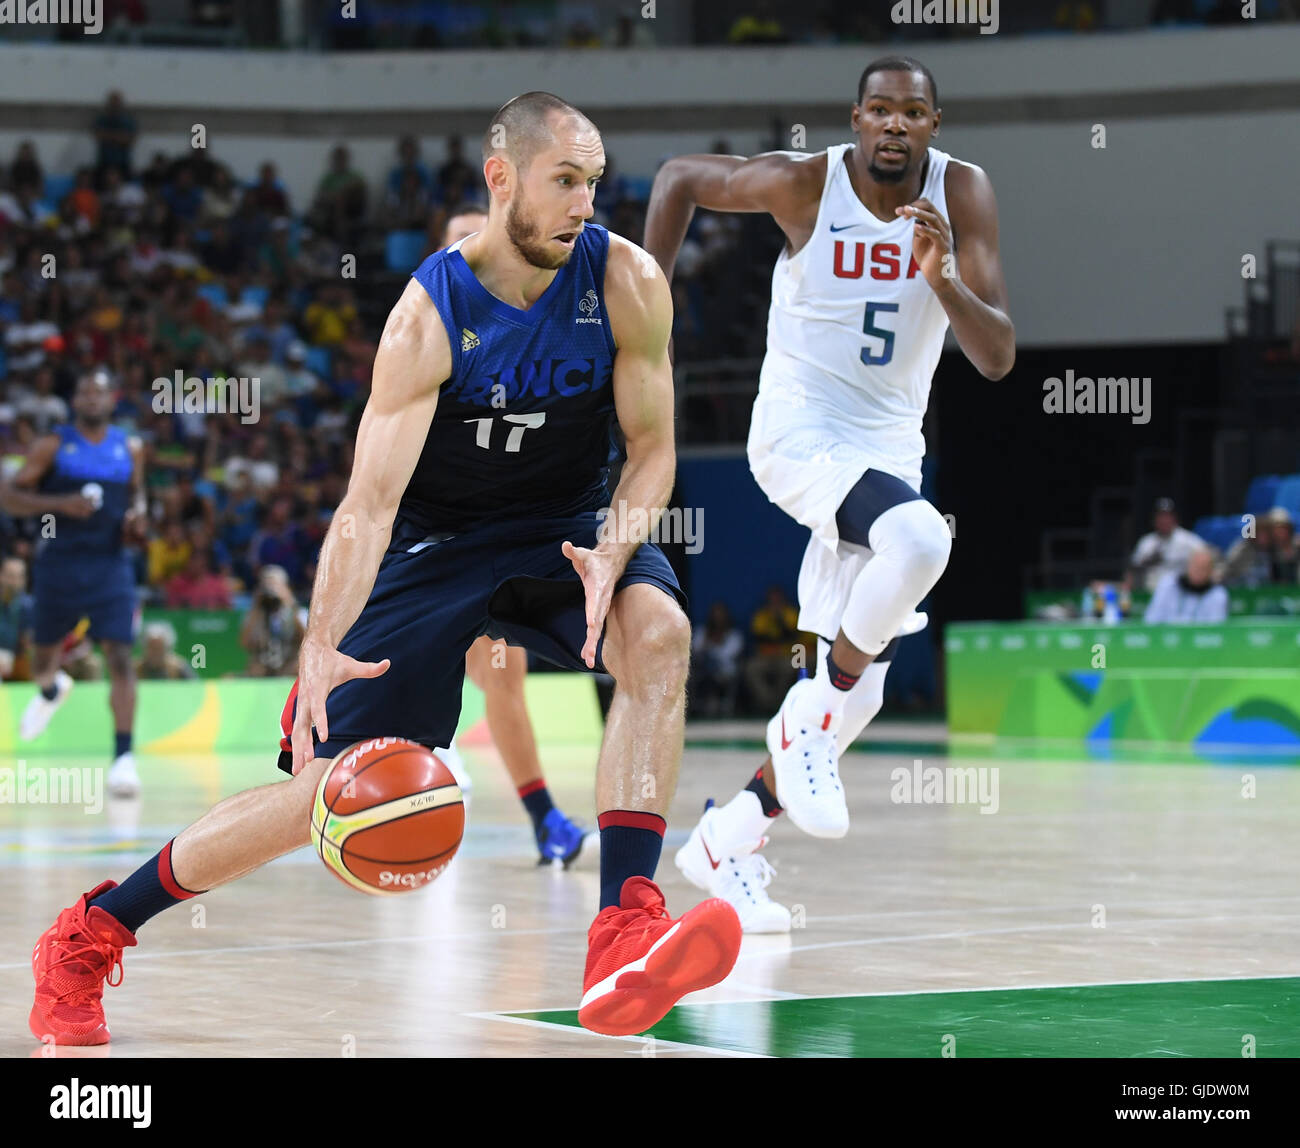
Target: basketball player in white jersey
889	241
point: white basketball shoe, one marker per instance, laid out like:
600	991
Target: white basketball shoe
739	875
39	711
802	742
123	781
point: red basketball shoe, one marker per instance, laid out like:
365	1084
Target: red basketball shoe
72	962
641	962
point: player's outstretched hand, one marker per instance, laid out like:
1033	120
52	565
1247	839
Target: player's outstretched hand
599	572
320	668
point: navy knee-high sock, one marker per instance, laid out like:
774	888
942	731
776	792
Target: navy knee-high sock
630	844
146	893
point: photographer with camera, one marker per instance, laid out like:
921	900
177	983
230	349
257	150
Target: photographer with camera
272	630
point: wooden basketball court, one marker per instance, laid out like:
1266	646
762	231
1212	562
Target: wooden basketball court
1102	909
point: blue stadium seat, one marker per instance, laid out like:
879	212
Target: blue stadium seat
214	293
403	250
1288	494
320	362
255	294
57	186
1219	531
1261	493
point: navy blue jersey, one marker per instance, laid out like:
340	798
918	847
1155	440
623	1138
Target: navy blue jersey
523	424
80	466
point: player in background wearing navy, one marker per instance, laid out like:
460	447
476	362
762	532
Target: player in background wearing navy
86	480
499	671
872	277
480	468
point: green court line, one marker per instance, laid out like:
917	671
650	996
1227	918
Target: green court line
1159	1019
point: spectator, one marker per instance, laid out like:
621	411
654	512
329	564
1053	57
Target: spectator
340	202
183	195
197	586
266	196
272	631
220	198
26	169
280	542
41	405
407	208
262	472
158	660
1284	558
1166	549
82	206
168	554
1249	561
328	316
1189	597
25	339
408	165
455	172
770	671
115	133
715	671
15	615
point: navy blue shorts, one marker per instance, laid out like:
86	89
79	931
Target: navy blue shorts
66	589
433	596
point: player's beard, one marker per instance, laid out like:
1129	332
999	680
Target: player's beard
522	231
888	175
93	421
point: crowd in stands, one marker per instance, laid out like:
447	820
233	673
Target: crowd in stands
1188	574
582	24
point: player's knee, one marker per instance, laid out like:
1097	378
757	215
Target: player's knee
118	657
661	648
921	541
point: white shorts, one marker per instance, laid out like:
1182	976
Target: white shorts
808	467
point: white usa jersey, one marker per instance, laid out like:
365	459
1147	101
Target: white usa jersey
854	332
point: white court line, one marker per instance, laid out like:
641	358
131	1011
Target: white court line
963	933
659	1042
1163	903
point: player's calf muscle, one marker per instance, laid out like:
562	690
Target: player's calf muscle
246	831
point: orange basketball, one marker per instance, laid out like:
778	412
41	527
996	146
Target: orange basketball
388	816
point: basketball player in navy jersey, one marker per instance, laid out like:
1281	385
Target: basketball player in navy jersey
499	671
889	243
87	476
472	508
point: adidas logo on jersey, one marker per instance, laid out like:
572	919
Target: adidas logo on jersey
588	305
468	340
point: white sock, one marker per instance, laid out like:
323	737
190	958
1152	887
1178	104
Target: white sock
741	821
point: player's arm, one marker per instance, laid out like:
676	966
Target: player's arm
786	185
20	495
640	309
411	364
971	288
137	516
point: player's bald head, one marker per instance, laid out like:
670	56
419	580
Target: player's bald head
527	125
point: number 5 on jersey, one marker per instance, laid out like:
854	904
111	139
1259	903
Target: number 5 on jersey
869	328
483	436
